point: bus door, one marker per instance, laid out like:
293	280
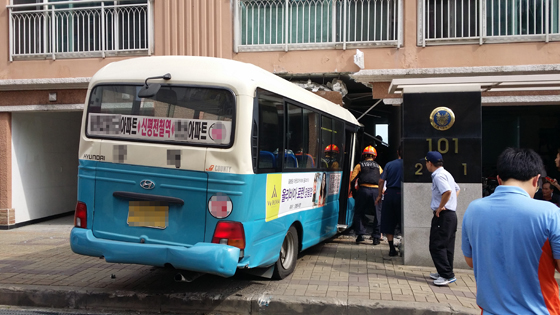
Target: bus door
346	211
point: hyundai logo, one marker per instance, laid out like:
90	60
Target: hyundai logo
147	184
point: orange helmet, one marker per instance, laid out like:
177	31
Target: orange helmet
370	150
332	148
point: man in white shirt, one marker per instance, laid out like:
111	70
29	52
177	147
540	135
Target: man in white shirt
444	222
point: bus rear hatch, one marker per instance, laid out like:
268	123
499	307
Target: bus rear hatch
149	205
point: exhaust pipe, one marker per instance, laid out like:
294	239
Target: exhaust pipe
187	276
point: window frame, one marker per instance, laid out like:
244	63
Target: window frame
282	169
177	143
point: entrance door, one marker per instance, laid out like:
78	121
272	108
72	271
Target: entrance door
346	212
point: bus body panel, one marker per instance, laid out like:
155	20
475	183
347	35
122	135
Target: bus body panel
113	215
264	239
210	258
86	186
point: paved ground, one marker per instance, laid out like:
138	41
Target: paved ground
38	269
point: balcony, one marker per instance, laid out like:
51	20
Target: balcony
444	22
72	29
282	25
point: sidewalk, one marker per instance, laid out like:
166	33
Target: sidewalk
38	269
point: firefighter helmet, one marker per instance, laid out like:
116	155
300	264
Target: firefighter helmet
332	148
370	150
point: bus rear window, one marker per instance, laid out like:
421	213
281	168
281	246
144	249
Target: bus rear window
187	115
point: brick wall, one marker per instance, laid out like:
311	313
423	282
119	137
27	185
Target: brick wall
7	216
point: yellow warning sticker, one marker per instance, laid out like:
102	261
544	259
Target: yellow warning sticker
273	195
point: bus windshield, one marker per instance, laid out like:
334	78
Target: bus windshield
176	114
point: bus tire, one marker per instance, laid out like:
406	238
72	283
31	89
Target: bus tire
286	263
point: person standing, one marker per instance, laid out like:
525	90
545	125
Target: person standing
368	173
554	182
392	203
444	221
513	241
547	194
331	156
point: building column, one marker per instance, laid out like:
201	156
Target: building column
448	120
7	213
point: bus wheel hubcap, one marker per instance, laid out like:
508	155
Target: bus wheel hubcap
287	252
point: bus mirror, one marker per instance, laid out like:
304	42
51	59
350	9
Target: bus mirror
148	91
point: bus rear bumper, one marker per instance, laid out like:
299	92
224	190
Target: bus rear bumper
210	258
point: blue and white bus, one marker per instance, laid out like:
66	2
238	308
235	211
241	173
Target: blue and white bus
208	165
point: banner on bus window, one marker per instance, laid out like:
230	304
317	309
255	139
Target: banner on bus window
198	131
294	192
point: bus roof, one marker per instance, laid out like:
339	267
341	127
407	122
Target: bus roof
242	78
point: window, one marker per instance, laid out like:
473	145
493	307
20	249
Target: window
271	131
517	17
368	20
487	21
299	23
51	27
301	138
310	140
452	19
332	143
190	115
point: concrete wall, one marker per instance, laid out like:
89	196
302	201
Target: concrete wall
417	217
44	163
204	27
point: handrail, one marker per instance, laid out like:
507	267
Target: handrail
484	21
51	31
49	3
274	25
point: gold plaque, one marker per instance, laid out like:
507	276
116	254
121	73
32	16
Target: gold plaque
442	118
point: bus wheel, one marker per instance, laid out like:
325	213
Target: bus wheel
288	255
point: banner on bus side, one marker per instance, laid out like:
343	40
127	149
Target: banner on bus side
198	131
290	193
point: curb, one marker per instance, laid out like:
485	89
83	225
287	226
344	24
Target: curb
181	303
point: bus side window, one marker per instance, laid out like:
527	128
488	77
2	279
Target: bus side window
266	160
338	136
332	143
301	137
270	131
294	139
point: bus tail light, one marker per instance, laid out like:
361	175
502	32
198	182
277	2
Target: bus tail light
80	215
229	233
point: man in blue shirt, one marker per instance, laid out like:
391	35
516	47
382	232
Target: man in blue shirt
391	208
513	241
444	221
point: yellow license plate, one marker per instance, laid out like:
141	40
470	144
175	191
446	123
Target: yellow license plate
148	214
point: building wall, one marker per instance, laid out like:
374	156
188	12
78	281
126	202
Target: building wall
204	28
44	163
6	210
417	217
409	56
194	28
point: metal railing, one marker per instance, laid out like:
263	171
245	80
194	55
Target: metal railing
487	21
71	29
265	25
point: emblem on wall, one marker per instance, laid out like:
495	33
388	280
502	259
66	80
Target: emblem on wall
442	118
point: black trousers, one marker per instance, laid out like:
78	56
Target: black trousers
365	203
391	211
442	242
